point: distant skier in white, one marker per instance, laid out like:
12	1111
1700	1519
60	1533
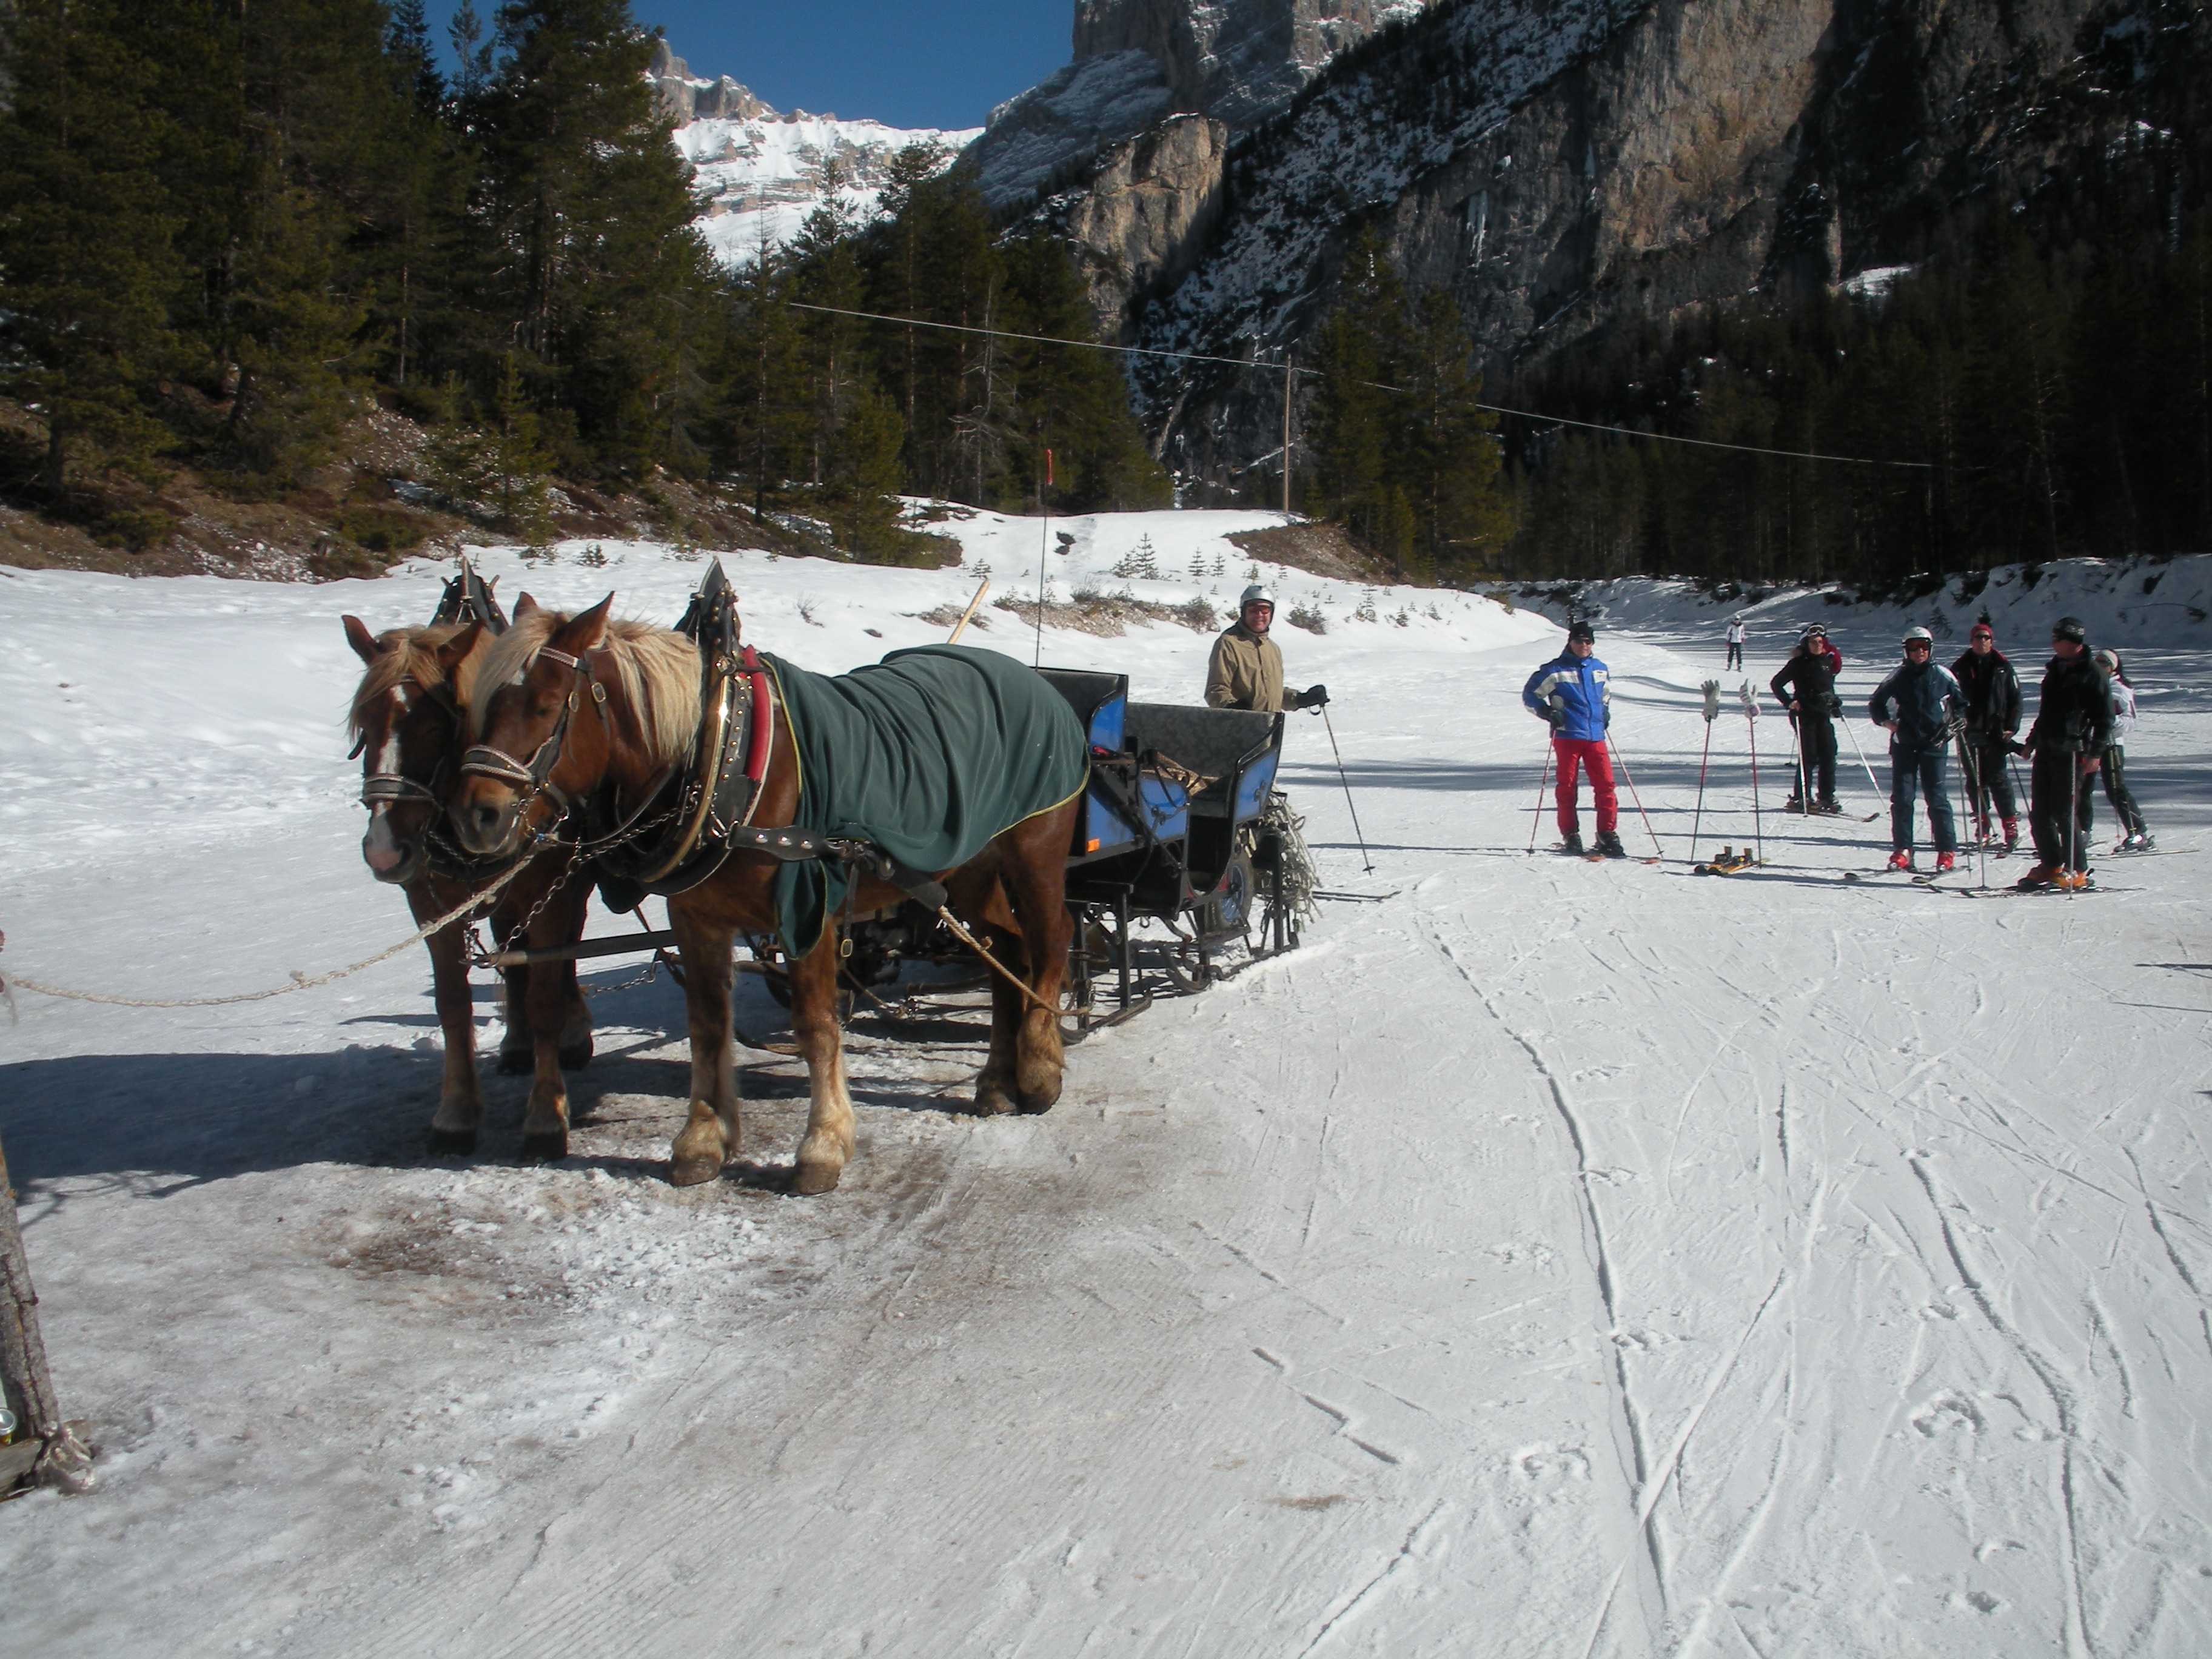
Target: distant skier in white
1734	642
2135	835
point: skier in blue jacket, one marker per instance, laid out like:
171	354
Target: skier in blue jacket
1922	706
1570	691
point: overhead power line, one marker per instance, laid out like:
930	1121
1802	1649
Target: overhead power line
1317	374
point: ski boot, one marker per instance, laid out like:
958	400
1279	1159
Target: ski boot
2011	838
2070	881
1572	843
1608	843
1900	860
1946	862
1793	805
1830	807
2036	880
2139	841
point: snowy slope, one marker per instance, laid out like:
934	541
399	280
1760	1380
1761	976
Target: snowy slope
2124	603
1549	1258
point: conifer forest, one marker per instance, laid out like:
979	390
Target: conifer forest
226	225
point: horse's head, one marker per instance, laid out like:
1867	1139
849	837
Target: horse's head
542	738
406	724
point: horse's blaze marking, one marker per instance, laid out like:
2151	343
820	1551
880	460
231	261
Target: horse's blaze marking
387	752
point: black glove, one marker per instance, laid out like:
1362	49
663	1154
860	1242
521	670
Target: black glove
1556	716
1314	696
1835	704
1608	717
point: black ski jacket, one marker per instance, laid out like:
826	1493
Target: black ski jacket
1921	697
1806	679
2074	713
1992	688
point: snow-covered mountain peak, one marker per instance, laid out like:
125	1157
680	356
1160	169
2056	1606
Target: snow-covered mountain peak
760	172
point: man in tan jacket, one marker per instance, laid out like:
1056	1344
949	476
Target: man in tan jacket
1247	667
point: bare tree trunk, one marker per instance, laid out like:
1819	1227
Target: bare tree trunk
61	1459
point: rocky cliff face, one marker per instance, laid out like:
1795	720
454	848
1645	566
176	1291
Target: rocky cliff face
1559	165
1138	61
684	97
1239	61
1145	212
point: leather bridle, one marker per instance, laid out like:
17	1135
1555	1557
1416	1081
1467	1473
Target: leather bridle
389	789
535	776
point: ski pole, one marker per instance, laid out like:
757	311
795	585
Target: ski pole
1357	833
1712	690
1536	812
1751	724
1973	782
1851	731
2074	815
1804	788
1631	781
1972	774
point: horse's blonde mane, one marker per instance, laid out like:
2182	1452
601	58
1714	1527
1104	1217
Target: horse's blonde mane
659	668
414	656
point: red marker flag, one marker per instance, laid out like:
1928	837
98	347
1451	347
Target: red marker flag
1047	466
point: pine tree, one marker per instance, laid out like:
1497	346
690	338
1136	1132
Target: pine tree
1446	457
604	282
407	44
1358	349
89	262
1073	400
761	423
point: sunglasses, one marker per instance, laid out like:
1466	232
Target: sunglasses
1918	644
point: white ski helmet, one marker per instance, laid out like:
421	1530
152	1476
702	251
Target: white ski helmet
1258	594
1919	637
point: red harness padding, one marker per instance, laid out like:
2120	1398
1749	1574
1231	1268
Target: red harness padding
758	740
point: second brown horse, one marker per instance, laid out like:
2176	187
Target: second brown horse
619	703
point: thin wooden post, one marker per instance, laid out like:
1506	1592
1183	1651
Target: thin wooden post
960	627
1287	436
45	1447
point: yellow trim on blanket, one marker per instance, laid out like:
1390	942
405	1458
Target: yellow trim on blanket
798	754
1057	805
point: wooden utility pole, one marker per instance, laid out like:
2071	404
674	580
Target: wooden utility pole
44	1448
1287	436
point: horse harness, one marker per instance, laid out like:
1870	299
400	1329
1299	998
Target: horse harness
704	811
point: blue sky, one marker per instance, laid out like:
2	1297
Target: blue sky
925	64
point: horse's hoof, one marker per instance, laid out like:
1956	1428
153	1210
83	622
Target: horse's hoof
992	1099
515	1062
809	1178
545	1145
452	1143
575	1056
690	1171
1033	1101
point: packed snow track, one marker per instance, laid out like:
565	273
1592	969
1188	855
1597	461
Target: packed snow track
1547	1258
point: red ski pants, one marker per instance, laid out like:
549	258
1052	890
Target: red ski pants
1590	752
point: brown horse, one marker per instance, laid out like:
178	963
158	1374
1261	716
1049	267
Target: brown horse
408	717
619	704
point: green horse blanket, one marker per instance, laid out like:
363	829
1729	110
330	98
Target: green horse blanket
927	754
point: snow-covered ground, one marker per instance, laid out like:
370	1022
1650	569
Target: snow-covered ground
1549	1258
